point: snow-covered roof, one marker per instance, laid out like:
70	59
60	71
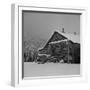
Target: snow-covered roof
40	48
58	41
43	55
72	37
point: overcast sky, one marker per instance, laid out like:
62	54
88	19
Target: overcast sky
42	25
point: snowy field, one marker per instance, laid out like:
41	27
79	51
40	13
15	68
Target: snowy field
50	69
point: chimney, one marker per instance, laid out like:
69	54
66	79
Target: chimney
63	30
75	33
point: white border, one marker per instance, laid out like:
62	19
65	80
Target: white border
16	23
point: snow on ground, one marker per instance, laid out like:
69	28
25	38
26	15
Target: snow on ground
50	69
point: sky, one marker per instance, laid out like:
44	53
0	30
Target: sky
42	25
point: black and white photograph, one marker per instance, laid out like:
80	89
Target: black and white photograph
50	43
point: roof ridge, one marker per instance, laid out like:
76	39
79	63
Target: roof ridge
70	36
